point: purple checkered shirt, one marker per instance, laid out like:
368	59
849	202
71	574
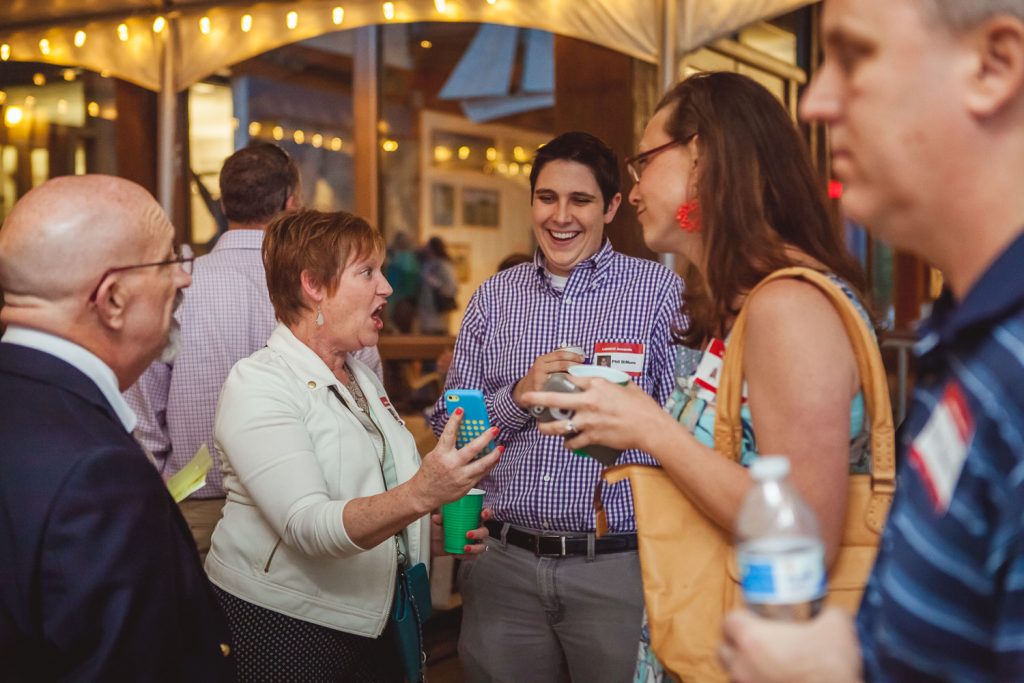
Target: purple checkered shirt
516	316
226	316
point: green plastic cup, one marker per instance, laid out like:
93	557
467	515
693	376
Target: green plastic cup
459	517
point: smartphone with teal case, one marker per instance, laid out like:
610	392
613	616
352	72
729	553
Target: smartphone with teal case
474	419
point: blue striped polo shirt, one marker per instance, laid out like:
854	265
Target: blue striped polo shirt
945	601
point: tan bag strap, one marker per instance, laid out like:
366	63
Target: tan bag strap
728	430
612	475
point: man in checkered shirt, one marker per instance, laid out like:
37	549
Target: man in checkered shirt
549	601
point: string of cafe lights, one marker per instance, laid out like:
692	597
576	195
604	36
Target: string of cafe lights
205	22
493	161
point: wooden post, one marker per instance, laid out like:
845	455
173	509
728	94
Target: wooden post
366	99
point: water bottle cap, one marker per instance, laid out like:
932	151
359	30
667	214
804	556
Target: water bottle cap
770	467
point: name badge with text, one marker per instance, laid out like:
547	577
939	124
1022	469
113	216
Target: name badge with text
628	358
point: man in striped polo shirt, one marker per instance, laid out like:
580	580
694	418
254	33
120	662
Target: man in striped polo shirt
925	105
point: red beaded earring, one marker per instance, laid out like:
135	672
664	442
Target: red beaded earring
688	216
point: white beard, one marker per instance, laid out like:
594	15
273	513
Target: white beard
173	346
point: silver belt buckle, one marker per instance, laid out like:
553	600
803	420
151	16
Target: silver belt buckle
538	552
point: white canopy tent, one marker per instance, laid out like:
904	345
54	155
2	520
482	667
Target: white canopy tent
168	45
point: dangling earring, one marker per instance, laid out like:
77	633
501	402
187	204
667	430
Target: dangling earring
688	216
319	321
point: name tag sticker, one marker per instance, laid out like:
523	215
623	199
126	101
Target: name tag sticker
940	449
710	367
709	371
626	357
386	402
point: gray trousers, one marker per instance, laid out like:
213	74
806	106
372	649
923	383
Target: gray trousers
539	619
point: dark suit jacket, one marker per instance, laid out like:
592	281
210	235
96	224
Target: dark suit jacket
99	576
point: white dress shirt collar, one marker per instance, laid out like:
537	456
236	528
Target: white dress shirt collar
85	361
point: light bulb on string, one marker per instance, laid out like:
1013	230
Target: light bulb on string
246	23
292	19
122	32
79	38
44	47
204	25
338	15
388	8
13	116
159	24
5	52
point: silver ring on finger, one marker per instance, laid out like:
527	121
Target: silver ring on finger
570	430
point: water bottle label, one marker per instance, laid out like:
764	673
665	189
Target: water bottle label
782	576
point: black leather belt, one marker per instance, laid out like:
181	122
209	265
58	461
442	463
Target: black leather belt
558	545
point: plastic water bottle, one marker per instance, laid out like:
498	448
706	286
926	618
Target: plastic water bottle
779	549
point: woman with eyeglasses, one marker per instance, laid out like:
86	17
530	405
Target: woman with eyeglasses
724	181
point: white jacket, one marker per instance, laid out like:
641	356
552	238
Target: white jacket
293	456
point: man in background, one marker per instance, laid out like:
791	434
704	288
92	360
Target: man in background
99	578
226	316
924	100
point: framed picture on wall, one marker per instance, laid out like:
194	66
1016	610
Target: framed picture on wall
459	252
442	204
481	207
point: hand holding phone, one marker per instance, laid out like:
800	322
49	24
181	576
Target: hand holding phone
474	419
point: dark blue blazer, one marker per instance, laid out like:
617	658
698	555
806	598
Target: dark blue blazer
99	575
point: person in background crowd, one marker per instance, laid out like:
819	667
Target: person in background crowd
924	100
438	287
549	602
327	496
403	273
226	316
718	135
444	360
99	578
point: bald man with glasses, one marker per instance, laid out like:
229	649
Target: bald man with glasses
99	577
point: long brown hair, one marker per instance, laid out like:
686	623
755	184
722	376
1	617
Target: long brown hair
758	194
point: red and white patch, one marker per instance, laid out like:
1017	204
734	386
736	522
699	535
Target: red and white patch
709	372
940	449
628	358
386	402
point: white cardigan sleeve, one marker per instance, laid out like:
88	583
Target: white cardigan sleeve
260	433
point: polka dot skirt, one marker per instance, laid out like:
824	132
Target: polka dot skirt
270	647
